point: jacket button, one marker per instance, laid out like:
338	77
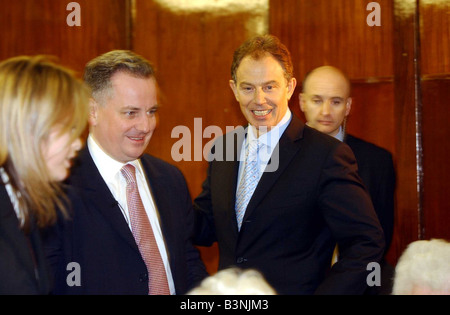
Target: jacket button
143	277
241	260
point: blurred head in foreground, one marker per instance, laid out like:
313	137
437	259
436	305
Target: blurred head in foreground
234	281
423	269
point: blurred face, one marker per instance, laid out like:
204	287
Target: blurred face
58	150
124	125
325	101
262	91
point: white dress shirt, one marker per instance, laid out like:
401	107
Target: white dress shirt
109	169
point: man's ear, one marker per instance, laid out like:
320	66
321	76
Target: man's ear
291	87
348	106
93	112
301	101
234	89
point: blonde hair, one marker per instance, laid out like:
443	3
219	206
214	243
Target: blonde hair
36	95
234	281
423	267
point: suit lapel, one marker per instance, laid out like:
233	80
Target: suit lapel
158	189
87	178
158	182
229	171
285	150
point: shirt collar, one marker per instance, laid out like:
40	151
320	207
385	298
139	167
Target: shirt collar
107	166
340	134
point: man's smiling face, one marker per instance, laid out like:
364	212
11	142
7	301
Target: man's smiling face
124	124
262	90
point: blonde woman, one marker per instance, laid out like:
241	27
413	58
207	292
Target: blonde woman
43	111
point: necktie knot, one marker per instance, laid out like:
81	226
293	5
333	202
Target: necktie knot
129	172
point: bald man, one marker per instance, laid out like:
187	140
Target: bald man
326	102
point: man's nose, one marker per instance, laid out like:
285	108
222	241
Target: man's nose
326	108
145	123
260	96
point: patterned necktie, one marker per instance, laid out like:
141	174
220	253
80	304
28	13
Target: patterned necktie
143	234
248	182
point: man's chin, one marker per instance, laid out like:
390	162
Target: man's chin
132	155
322	128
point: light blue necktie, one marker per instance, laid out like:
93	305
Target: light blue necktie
249	181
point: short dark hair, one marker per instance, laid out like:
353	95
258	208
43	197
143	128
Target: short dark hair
258	47
98	71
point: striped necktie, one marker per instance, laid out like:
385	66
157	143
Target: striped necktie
143	234
248	182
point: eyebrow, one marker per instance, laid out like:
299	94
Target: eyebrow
264	83
333	97
133	107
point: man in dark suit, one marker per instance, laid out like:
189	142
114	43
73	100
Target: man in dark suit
107	238
326	103
308	195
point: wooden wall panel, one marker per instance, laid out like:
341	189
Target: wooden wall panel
436	148
435	37
335	32
372	116
435	87
408	215
30	27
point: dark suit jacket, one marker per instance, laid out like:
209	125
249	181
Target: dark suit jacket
23	268
376	168
100	241
296	214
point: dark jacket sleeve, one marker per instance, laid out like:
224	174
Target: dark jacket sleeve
196	268
204	234
349	213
